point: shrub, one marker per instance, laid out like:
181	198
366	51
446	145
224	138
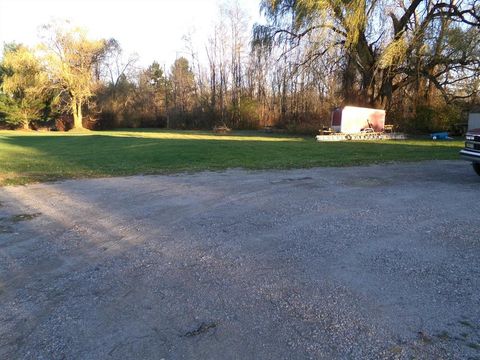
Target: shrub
64	122
430	119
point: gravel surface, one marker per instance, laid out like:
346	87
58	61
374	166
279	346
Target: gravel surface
377	262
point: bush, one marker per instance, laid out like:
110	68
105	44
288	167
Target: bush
64	122
105	121
249	114
430	119
153	122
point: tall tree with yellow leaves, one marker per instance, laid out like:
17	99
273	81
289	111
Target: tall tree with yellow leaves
24	86
72	59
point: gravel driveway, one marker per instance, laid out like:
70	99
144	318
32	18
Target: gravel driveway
327	263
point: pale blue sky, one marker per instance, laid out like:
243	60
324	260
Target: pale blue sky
151	28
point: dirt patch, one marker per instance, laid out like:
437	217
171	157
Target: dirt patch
290	180
5	229
203	328
23	217
366	182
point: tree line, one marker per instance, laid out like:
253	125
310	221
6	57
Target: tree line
418	59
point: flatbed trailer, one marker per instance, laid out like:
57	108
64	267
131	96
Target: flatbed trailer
361	136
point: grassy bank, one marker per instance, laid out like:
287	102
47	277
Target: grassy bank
27	157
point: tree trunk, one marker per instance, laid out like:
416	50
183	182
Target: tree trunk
77	114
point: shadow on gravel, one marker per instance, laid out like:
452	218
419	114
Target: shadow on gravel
100	286
131	271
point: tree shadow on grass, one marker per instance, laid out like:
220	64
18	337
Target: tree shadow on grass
52	157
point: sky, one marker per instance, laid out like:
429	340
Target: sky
151	28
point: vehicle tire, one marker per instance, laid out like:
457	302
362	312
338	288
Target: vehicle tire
476	167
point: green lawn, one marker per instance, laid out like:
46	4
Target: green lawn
27	157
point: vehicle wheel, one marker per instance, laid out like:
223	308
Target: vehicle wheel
476	167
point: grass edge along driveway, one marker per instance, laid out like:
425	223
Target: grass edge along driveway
28	157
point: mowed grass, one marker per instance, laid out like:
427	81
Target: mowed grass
27	157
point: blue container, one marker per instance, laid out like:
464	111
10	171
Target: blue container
439	136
